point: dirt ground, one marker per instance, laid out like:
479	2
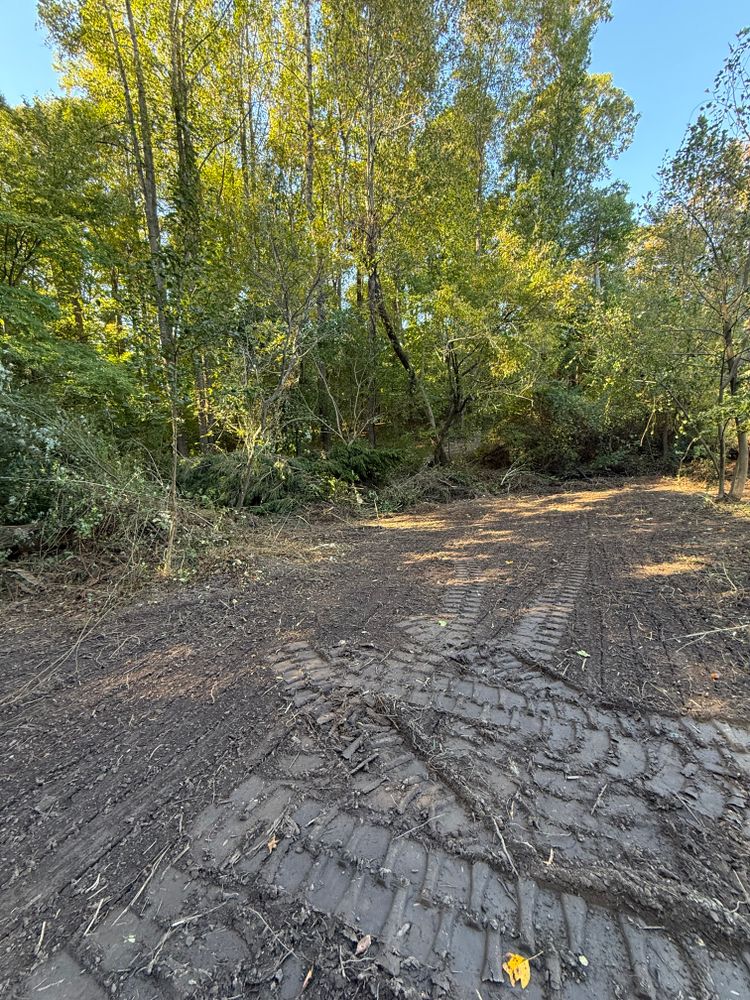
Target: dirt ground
380	757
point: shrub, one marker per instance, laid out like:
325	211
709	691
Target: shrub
358	463
564	433
433	484
277	483
68	480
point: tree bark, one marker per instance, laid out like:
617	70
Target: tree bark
310	116
739	479
203	403
722	464
144	160
323	400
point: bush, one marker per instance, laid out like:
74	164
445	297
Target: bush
432	484
213	479
27	450
563	434
68	480
278	483
358	463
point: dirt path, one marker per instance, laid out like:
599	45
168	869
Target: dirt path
508	726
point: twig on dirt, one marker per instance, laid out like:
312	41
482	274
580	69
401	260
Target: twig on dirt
712	631
148	878
93	920
175	925
506	852
91	623
741	885
419	826
94	884
364	763
184	850
41	939
264	839
691	811
148	969
277	937
599	797
728	578
349	752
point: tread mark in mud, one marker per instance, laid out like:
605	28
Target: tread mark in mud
429	908
451	911
583	783
544	725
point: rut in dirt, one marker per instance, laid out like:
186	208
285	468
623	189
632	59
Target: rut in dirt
469	787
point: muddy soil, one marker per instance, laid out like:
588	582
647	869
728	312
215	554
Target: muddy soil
378	766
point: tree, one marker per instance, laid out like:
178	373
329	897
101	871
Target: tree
567	123
704	228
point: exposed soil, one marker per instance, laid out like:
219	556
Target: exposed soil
377	761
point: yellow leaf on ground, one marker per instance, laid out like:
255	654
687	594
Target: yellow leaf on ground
272	844
518	969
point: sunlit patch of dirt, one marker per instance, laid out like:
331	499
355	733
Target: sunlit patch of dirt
708	706
680	564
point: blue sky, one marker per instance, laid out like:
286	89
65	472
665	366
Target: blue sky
663	53
25	61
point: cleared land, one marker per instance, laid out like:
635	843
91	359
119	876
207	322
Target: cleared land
504	726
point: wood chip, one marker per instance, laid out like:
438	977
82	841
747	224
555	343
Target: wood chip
363	944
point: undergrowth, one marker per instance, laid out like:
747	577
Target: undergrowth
269	483
68	488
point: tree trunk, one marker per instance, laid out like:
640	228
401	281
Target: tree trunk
739	479
722	463
666	437
372	338
323	399
310	116
378	299
144	160
206	419
324	407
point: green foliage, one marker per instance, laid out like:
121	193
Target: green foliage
558	432
73	483
356	463
25	309
563	431
277	483
260	246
